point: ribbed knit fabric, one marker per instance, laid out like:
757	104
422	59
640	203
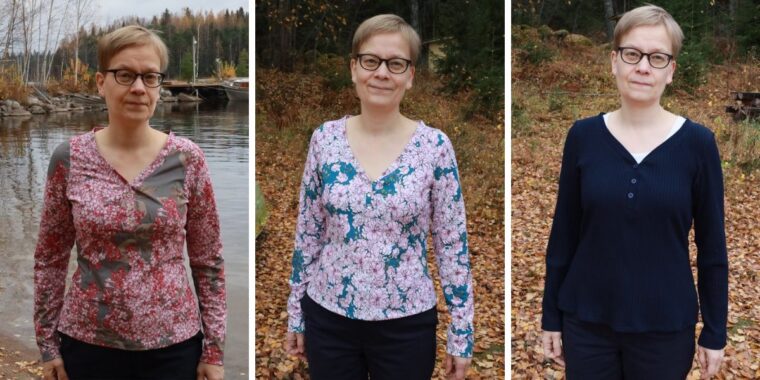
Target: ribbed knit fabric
618	252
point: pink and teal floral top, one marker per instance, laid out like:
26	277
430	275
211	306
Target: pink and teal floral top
130	289
360	246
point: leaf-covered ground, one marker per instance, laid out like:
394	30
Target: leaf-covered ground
17	361
547	97
289	107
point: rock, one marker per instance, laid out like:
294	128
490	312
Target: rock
560	34
188	98
17	112
13	105
37	109
578	40
169	99
32	100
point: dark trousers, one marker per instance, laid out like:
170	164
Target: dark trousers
594	351
341	348
84	361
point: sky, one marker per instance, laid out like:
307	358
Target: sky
110	10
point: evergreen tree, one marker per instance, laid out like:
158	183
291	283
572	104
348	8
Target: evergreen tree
242	64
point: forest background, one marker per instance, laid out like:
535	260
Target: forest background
561	73
53	43
303	79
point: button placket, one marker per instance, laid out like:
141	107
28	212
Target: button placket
632	186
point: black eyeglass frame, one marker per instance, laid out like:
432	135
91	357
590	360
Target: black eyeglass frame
161	77
408	62
648	55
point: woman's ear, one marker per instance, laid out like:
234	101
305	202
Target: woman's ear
613	62
353	70
100	80
411	78
672	71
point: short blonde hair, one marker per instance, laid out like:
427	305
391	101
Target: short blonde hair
130	36
649	15
387	23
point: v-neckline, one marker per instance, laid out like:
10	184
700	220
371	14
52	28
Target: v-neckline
144	172
392	166
624	151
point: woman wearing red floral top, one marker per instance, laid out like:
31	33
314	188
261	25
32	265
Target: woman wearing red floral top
128	196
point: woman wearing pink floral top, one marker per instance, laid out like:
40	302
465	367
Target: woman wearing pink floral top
362	301
129	196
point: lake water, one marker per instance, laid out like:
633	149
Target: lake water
221	130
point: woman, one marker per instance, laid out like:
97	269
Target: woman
362	301
619	299
127	195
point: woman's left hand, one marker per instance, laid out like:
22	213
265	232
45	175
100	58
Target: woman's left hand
210	372
456	367
709	361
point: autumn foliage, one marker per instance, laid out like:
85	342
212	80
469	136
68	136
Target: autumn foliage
554	84
288	108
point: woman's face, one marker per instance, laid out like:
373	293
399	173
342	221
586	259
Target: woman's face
641	83
381	88
130	105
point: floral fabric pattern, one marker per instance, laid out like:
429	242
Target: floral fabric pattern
130	289
360	246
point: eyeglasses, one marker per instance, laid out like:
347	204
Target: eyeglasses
633	56
127	77
372	62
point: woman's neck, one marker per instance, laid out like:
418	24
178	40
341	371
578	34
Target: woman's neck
127	137
379	121
641	116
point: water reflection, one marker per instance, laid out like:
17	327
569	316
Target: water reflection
26	145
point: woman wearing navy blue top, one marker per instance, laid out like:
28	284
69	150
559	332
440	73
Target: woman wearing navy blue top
619	299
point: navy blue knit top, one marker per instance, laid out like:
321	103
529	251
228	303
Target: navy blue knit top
618	252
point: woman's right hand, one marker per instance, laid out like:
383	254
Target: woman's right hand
53	370
294	345
553	346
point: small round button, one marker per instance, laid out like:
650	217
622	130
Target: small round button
630	195
635	166
633	180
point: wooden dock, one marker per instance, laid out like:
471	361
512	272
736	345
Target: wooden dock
203	90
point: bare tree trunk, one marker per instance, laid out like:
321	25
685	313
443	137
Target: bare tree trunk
83	8
57	42
9	32
609	13
415	14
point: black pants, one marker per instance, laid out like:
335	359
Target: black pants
84	361
594	351
341	348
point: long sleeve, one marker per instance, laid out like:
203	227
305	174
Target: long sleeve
451	250
51	256
564	236
309	231
712	260
204	248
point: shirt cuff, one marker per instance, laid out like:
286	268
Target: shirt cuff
460	343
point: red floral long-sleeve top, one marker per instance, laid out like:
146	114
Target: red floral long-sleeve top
130	289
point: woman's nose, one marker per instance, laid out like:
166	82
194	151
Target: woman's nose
138	85
382	70
643	65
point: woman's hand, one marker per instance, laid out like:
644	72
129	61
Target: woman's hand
553	346
53	370
709	361
456	367
208	371
294	345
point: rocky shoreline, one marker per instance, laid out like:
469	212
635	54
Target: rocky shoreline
43	104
